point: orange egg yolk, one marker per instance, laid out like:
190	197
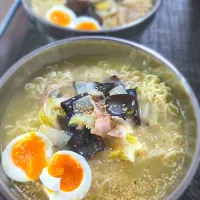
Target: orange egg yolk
60	18
29	155
68	169
87	26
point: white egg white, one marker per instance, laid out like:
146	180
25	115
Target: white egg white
14	172
64	9
51	183
83	19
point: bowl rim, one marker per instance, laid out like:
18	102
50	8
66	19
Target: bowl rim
196	159
32	14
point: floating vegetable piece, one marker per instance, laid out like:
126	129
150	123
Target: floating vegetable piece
148	112
68	104
117	154
106	8
114	79
64	121
136	114
132	144
94	88
83	105
103	5
87	87
84	143
119	105
99	89
96	144
117	90
57	138
105	87
49	112
82	120
129	149
124	105
78	6
79	138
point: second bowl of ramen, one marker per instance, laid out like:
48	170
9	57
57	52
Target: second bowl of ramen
90	16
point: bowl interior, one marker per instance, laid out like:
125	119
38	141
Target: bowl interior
141	57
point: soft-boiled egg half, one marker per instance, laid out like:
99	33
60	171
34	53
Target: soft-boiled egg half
25	157
65	17
87	24
67	176
61	16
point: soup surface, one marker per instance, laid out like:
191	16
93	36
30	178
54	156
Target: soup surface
92	15
153	160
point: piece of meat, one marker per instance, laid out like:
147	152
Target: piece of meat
102	122
48	91
118	127
59	91
120	131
